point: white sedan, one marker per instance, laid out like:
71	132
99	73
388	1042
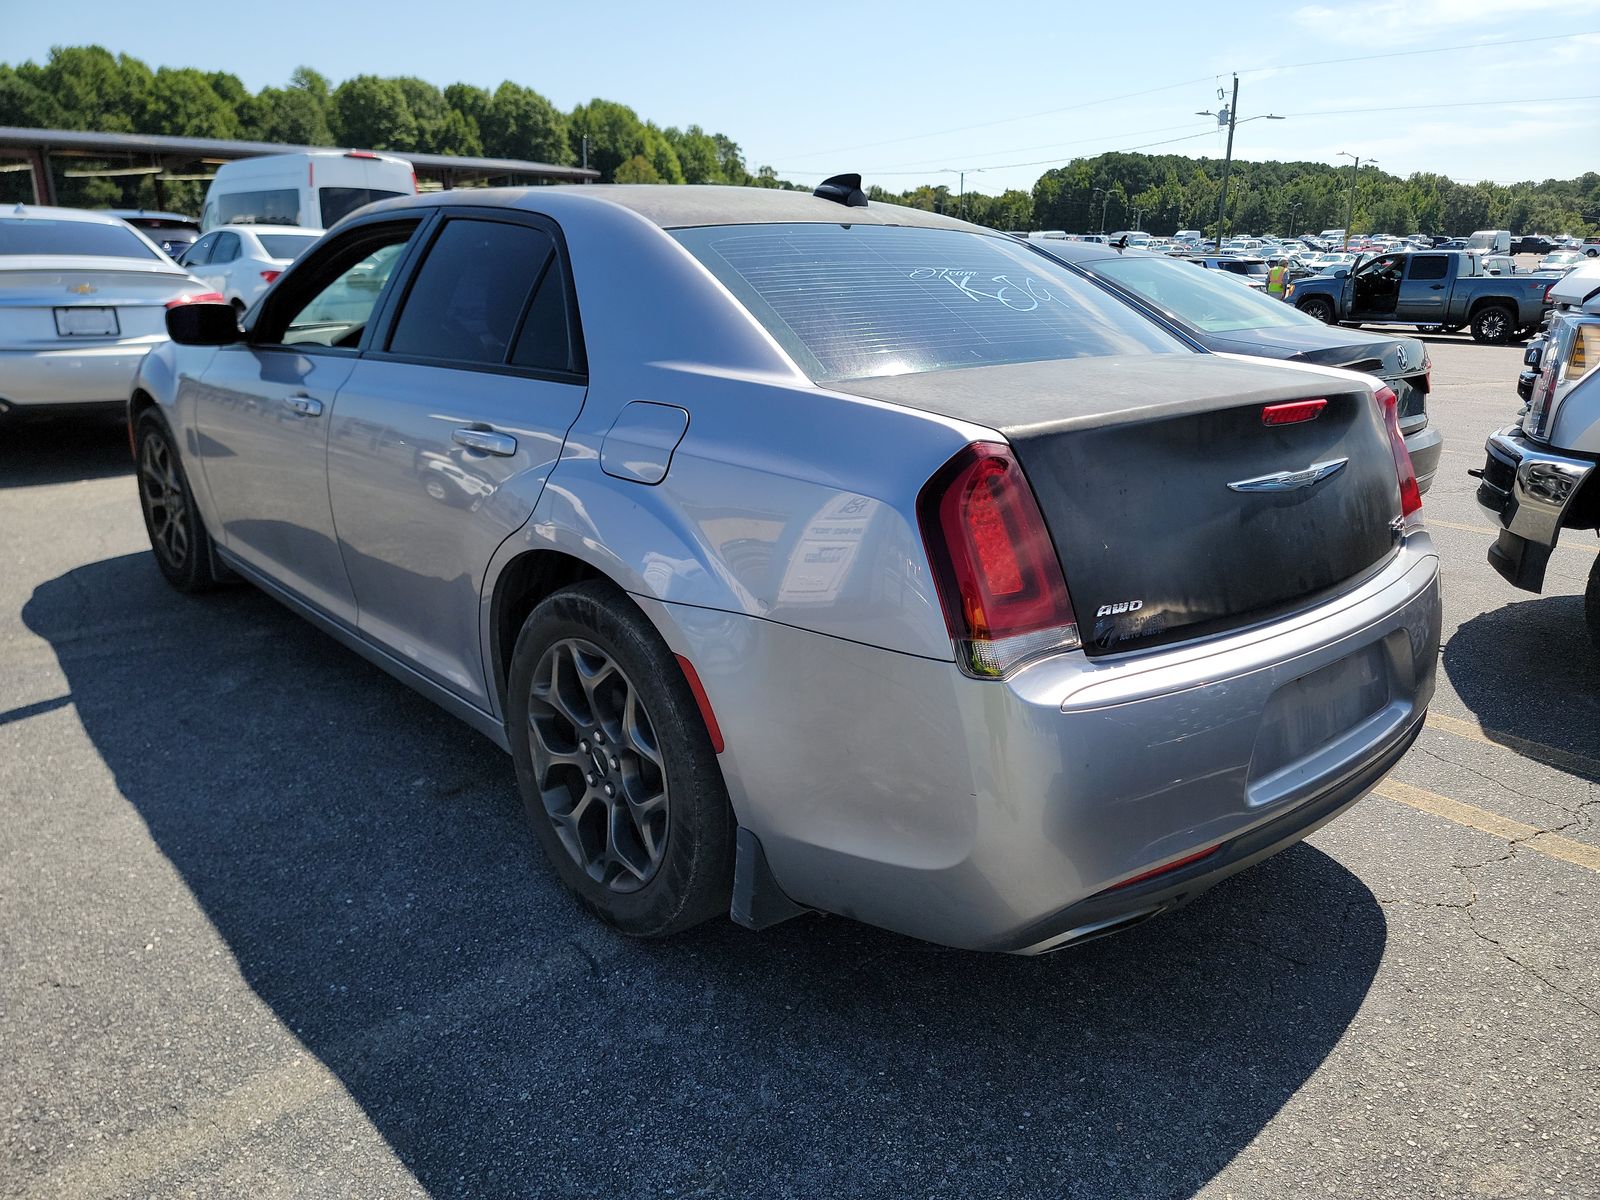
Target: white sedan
83	298
241	261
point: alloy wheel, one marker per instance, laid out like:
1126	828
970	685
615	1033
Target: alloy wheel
598	764
164	504
1493	325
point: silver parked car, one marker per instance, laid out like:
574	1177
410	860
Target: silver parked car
807	553
82	300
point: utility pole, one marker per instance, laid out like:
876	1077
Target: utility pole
1229	116
586	152
961	188
1137	214
1104	204
1350	209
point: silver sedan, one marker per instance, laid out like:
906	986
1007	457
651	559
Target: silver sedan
82	300
812	554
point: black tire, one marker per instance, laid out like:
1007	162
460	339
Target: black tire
686	853
178	536
1493	325
1319	308
1591	605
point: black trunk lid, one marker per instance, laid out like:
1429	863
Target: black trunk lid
1132	461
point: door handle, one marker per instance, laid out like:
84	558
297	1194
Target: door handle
485	441
1438	287
306	406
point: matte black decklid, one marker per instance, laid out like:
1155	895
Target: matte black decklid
1082	393
1175	510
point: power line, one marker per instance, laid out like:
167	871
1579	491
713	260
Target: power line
1335	112
1549	37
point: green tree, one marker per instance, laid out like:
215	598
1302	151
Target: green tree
637	169
615	135
371	113
520	123
183	102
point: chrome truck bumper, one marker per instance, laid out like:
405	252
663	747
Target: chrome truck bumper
1526	490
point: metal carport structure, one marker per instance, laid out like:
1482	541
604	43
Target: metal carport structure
164	157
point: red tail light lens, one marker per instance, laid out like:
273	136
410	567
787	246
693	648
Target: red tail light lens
1000	584
269	276
197	298
1410	494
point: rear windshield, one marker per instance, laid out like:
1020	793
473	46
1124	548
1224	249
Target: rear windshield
271	206
340	202
852	301
39	235
1199	298
286	245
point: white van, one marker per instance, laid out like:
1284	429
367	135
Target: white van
311	190
1494	241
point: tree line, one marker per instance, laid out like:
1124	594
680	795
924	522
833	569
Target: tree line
1163	193
87	87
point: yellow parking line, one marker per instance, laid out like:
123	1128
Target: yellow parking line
1562	760
1551	844
1565	544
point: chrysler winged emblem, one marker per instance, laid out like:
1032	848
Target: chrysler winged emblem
1290	481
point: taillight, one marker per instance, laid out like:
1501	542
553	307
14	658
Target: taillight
197	298
1410	494
269	276
1000	584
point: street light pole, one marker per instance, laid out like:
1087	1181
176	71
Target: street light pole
1104	204
1294	210
1350	208
1229	116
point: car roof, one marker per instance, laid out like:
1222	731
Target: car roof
45	212
148	214
246	227
687	205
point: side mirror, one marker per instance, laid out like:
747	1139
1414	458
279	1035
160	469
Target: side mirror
1533	355
202	323
1341	272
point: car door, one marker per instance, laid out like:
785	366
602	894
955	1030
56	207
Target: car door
263	409
446	431
1425	290
1375	287
217	271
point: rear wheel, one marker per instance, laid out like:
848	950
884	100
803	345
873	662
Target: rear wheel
178	536
1319	308
1493	324
618	777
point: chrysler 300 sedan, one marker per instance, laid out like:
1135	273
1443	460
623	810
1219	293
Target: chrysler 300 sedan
812	554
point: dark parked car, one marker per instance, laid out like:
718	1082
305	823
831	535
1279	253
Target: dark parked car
1532	243
173	232
1220	316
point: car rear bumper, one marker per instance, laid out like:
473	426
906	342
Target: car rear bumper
1012	816
1526	490
74	375
1426	446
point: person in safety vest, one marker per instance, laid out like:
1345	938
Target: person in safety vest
1277	275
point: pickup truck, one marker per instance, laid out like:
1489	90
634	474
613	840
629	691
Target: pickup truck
1431	289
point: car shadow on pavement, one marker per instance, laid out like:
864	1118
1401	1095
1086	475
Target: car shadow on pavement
365	860
62	450
1545	640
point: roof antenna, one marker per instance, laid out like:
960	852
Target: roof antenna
842	189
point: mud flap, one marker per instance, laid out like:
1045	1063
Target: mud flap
758	901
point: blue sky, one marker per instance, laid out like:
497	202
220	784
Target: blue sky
909	93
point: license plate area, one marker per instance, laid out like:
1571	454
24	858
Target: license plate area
87	322
1316	710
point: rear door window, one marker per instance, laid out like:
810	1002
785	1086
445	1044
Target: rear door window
1428	266
853	301
226	249
271	206
475	290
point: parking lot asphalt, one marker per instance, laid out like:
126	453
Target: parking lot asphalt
271	925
